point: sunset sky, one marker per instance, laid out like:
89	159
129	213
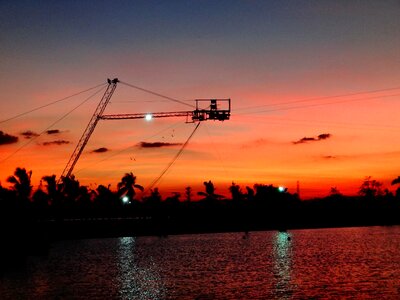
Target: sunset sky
315	89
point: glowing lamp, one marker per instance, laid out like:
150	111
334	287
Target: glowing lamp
125	199
281	189
148	117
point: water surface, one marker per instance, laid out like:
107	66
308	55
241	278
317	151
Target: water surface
299	264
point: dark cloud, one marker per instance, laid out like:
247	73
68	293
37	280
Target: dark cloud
53	131
29	134
7	138
304	140
320	137
100	150
157	144
57	142
324	136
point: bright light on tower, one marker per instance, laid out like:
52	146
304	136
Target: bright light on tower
148	117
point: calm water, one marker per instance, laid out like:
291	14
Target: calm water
300	264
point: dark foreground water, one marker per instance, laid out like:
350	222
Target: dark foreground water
300	264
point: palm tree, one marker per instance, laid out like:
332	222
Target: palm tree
51	187
397	181
21	184
128	185
209	194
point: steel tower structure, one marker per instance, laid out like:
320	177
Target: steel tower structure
201	113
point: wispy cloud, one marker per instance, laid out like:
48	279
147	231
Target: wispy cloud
320	137
7	138
157	144
100	150
57	142
29	134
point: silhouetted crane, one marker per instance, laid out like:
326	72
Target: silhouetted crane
200	113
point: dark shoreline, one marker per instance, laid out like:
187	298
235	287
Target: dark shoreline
35	237
23	239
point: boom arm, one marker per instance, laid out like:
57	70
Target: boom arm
144	115
212	112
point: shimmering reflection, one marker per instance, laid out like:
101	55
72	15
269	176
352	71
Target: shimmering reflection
341	263
283	265
137	282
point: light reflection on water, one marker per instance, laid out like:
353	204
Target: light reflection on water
136	282
300	264
283	264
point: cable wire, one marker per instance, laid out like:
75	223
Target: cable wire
316	104
318	98
49	104
175	125
156	94
172	161
54	123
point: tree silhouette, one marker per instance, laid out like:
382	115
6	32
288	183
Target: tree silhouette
104	197
70	189
397	181
127	186
153	201
7	200
370	188
52	189
188	194
155	196
209	194
236	192
83	199
21	184
266	192
173	200
250	193
41	201
334	191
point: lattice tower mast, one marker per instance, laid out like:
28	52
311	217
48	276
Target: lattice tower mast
112	84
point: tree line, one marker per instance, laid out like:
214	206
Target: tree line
259	206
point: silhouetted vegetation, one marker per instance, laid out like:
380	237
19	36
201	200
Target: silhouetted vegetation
65	208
